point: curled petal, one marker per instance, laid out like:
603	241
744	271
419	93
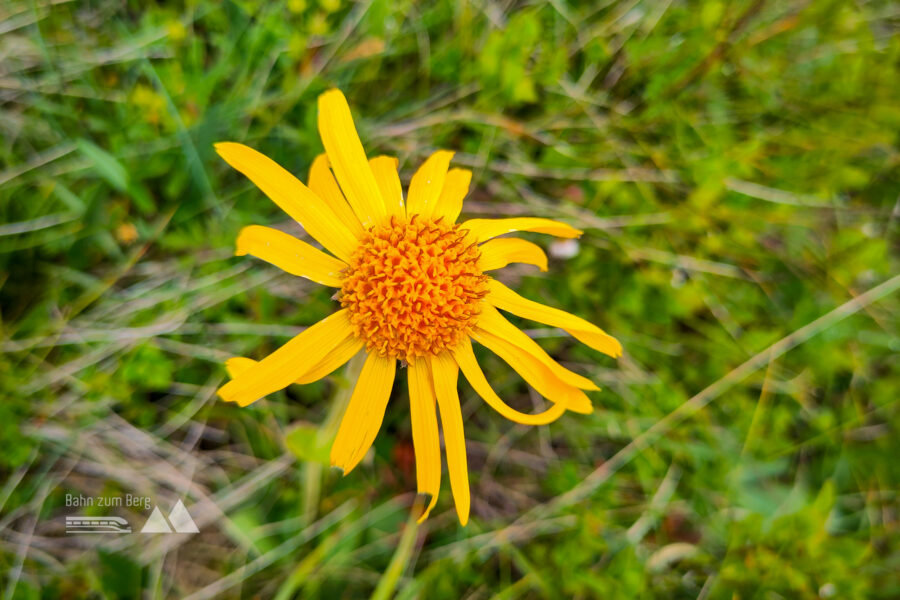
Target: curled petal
465	358
496	254
505	299
493	322
538	375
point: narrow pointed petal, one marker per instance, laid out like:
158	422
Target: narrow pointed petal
365	412
388	178
426	185
496	254
445	373
338	357
485	229
294	198
505	299
493	322
323	183
533	371
237	365
426	442
348	159
290	254
456	186
341	353
288	363
465	358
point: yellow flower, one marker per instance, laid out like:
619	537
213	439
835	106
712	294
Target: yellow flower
412	287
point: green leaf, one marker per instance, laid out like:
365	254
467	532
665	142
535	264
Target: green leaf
105	164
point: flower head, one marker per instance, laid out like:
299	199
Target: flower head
412	287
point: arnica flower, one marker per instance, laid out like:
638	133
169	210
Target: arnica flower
413	289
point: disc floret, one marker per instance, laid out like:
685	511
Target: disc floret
413	287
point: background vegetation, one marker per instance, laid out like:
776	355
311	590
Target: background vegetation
734	165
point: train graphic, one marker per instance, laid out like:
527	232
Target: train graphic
80	524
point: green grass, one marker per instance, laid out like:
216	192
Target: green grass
733	164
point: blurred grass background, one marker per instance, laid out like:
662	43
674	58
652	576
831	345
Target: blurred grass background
734	166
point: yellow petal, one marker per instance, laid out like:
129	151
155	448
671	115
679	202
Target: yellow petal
485	229
505	299
237	365
339	355
493	322
496	254
385	170
348	159
465	358
365	412
322	182
285	365
535	373
445	372
427	184
426	443
456	186
292	197
343	352
290	254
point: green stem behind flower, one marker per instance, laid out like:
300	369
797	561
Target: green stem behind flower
311	471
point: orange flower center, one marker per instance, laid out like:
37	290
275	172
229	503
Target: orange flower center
413	288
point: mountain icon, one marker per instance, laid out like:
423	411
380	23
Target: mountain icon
156	523
180	519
